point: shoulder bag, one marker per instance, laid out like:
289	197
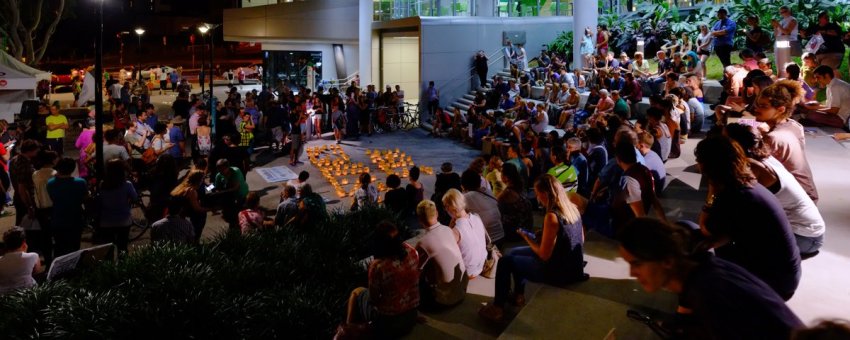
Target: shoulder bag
493	256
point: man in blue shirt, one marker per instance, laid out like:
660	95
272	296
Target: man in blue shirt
175	135
724	35
506	103
67	193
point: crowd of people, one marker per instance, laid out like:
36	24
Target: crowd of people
606	171
601	168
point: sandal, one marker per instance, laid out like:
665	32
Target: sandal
492	313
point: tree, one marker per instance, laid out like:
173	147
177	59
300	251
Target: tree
29	25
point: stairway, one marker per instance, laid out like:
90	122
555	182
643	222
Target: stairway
463	102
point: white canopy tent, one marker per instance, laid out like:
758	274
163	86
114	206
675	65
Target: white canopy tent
17	84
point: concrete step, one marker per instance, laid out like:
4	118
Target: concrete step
464	101
588	310
469	96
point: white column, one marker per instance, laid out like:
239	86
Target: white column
365	39
485	8
585	14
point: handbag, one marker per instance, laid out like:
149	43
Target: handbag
493	256
30	223
149	156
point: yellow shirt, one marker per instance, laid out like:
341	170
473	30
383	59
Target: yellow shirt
58	119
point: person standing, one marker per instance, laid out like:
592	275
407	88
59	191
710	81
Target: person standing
163	80
522	58
67	193
433	96
831	51
20	171
587	48
787	29
174	78
42	242
723	32
241	76
481	68
57	123
175	136
116	196
602	36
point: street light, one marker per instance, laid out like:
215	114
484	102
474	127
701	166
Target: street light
204	28
98	102
139	31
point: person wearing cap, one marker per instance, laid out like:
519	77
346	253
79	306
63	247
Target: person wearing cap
57	123
175	136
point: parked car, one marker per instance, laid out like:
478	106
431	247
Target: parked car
146	70
62	76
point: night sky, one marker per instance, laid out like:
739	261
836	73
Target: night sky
75	36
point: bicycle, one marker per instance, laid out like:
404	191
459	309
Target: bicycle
138	216
410	118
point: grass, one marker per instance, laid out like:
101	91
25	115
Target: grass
715	69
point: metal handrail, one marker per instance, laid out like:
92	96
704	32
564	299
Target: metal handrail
471	76
342	82
469	71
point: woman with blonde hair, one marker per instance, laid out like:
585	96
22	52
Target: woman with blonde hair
189	192
555	257
469	231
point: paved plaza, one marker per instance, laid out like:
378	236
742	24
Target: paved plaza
598	305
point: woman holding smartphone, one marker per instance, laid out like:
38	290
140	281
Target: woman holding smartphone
558	258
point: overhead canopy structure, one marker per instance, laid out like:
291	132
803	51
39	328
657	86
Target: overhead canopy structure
17	84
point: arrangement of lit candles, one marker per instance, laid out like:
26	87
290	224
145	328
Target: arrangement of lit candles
335	165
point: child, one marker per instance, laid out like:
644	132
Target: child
808	69
366	195
749	57
396	198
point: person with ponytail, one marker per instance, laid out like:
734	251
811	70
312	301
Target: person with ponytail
555	257
743	221
805	218
783	135
717	299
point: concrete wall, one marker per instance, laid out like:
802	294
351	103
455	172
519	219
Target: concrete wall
333	21
449	43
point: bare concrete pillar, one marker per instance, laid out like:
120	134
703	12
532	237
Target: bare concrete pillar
585	14
365	39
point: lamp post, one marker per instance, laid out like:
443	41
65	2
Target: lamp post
98	100
139	31
204	28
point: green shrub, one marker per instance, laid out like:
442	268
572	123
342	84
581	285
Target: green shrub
288	283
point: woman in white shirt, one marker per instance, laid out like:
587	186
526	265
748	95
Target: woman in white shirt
469	232
17	266
805	218
704	43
